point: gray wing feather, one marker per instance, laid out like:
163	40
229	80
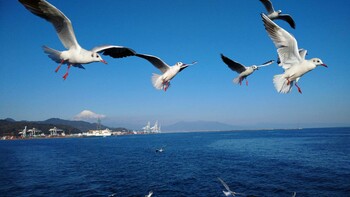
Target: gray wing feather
61	23
235	66
114	51
268	5
288	19
224	184
156	61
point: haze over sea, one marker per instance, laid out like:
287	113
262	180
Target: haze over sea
311	162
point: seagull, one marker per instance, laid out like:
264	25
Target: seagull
272	14
243	71
149	194
228	192
294	194
162	82
75	55
160	150
291	59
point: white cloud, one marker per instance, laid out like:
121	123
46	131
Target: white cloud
88	115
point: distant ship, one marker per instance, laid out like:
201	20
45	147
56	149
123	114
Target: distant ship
154	129
98	133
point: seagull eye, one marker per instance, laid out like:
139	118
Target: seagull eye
97	56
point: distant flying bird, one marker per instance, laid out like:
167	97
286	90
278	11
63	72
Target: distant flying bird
162	82
272	14
228	192
243	71
291	58
149	194
75	55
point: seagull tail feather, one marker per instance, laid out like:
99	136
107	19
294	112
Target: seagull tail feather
157	81
236	80
281	84
53	54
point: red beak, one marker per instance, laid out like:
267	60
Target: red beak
103	61
324	65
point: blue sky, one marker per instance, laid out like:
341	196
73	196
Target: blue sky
181	30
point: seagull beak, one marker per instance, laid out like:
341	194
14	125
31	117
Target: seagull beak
324	65
103	61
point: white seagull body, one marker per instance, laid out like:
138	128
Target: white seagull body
242	70
228	192
75	55
162	82
291	58
272	14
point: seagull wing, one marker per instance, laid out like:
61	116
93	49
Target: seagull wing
50	13
286	44
156	61
268	5
224	184
266	63
235	66
288	19
114	51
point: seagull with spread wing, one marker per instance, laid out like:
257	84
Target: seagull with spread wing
291	58
272	14
243	71
162	82
228	192
75	55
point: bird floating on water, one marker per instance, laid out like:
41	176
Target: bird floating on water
75	55
162	82
243	71
291	58
272	14
228	192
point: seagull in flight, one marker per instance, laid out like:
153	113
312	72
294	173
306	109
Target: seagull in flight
75	55
149	194
242	70
228	192
294	194
162	82
272	14
291	58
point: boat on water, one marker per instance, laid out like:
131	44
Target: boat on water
98	133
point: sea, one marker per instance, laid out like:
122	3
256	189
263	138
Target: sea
310	162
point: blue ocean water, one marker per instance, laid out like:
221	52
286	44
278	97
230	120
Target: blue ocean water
311	162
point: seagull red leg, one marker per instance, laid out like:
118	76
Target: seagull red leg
299	90
59	66
66	75
246	82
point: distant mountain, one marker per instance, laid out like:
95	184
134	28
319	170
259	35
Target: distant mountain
11	127
199	126
81	125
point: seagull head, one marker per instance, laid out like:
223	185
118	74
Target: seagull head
183	66
97	58
318	62
255	67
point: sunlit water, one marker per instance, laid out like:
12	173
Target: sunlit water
311	162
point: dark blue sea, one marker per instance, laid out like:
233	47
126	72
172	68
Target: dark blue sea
310	162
